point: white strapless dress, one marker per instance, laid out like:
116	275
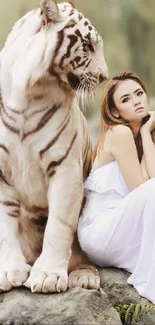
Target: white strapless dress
117	228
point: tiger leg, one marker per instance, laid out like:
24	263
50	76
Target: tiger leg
50	271
13	267
82	273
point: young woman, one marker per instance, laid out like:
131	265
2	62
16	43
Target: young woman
117	225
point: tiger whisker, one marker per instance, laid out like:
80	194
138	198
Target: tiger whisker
86	91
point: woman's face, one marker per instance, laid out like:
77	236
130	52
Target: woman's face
131	101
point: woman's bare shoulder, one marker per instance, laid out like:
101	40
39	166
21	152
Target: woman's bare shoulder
120	130
120	136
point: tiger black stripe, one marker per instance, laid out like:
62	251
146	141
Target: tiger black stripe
51	143
63	121
80	16
38	97
76	49
86	66
58	163
87	165
41	221
2	146
72	12
73	40
52	173
86	23
36	209
16	112
77	32
44	120
13	215
10	127
16	211
59	44
83	63
54	73
88	36
29	115
10	203
7	115
71	23
3	179
76	60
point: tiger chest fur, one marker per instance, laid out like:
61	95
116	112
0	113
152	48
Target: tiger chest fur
31	156
52	55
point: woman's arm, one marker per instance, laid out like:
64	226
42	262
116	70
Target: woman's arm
123	149
148	145
144	169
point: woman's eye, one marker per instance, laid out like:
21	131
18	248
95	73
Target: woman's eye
140	93
125	100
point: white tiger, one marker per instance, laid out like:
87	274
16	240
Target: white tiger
45	148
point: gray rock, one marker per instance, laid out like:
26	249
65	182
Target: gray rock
76	306
114	283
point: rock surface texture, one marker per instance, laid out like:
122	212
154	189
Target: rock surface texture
76	306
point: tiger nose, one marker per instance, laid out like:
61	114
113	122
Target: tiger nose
102	78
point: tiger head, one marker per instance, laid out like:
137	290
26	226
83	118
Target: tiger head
55	41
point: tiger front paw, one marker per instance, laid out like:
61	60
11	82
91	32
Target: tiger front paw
13	275
85	276
47	277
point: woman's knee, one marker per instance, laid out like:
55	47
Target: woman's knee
87	240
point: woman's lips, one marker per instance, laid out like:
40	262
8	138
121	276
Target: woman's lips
139	109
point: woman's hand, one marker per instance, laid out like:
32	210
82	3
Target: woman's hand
150	124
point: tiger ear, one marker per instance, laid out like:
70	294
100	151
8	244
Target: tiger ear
50	11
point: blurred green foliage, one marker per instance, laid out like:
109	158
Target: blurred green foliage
127	27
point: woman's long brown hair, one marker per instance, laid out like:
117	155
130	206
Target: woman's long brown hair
108	109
